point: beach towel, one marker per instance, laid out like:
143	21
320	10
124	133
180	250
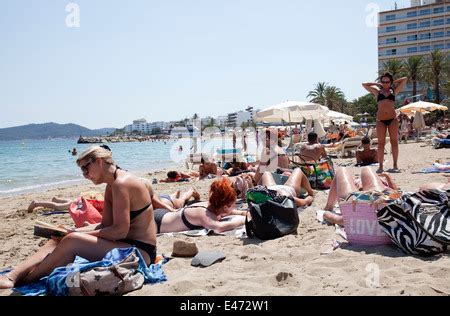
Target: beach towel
441	143
59	281
320	174
438	168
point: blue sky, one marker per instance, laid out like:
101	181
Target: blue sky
165	60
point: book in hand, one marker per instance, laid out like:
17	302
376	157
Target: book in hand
46	230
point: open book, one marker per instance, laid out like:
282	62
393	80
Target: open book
47	230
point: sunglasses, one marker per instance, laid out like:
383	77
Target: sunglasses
385	82
85	168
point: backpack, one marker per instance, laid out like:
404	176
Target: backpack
419	224
272	219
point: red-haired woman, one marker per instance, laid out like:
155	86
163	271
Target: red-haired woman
222	202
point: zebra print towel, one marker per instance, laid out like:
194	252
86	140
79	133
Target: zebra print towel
418	223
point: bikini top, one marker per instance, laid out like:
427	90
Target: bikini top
186	222
382	97
133	214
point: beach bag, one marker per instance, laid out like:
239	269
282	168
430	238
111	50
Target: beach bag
320	174
359	213
260	194
419	223
84	212
271	219
98	204
117	279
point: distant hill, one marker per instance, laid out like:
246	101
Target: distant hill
50	130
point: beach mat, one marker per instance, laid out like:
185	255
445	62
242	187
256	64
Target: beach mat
438	168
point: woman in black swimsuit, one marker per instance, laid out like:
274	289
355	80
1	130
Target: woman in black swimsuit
222	200
385	92
127	221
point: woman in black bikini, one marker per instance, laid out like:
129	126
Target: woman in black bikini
127	221
222	200
385	92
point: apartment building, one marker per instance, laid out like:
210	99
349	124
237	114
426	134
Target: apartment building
417	30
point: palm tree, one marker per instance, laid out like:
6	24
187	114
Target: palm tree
438	72
318	94
394	67
413	68
334	98
447	92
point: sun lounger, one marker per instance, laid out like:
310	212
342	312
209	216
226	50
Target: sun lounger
348	145
229	155
195	159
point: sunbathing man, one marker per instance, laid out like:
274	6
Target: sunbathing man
221	203
292	187
208	169
175	176
344	184
367	156
312	151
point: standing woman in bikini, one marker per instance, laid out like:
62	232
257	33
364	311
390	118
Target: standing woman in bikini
385	92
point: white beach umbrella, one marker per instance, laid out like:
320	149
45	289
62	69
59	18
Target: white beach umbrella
422	106
336	117
318	129
292	112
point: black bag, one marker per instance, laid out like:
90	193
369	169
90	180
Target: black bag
271	220
419	223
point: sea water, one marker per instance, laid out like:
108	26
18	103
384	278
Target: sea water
34	165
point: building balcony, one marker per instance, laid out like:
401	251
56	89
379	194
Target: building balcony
412	42
404	18
403	29
403	55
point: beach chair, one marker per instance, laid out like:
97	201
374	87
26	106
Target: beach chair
350	145
195	159
229	155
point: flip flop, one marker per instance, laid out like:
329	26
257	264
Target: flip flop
206	258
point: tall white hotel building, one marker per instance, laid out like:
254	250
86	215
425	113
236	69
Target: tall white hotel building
417	30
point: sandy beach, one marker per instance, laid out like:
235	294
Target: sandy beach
292	265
